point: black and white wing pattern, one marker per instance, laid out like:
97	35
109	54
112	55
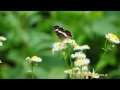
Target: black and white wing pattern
62	33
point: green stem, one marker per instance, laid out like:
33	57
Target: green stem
71	62
106	48
65	56
100	60
109	46
73	75
32	71
81	76
70	57
106	45
66	62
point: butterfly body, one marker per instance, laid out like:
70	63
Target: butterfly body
62	33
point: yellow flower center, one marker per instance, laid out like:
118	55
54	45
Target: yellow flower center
81	56
86	45
115	37
110	36
79	62
93	74
34	57
76	46
59	44
75	55
73	40
67	41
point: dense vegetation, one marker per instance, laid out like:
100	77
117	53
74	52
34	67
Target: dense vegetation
31	33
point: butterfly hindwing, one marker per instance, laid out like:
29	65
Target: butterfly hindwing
68	33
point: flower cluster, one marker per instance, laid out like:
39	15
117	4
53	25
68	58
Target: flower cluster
2	39
63	45
0	61
78	68
33	62
1	42
75	57
112	38
110	42
34	59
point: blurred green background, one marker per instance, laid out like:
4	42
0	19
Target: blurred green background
31	33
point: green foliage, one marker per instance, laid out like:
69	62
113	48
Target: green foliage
31	33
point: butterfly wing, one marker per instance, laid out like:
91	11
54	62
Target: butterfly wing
61	33
69	34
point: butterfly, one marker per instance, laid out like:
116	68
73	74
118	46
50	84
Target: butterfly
62	33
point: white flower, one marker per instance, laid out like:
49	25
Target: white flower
1	44
77	47
28	59
112	38
87	74
94	75
69	71
86	61
85	68
78	62
78	55
69	41
34	59
2	38
58	46
78	73
0	61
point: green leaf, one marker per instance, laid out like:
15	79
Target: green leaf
103	27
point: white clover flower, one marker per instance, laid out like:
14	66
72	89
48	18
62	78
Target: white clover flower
94	75
77	47
0	61
1	44
79	63
69	41
2	38
69	71
112	38
58	46
34	59
78	55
